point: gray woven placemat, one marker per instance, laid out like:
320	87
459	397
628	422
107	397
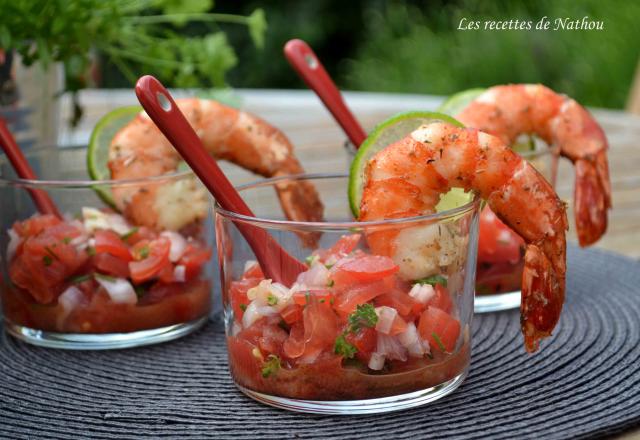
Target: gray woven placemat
584	383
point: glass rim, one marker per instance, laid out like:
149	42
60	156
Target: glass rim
336	225
81	183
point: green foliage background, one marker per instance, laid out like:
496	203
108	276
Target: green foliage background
407	46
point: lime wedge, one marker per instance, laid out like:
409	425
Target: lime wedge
98	150
389	131
456	102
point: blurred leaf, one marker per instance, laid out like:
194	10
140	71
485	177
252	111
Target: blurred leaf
257	27
184	6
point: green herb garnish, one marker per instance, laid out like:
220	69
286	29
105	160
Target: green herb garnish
343	348
438	341
80	279
433	280
66	240
91	251
331	283
364	316
271	365
243	307
50	252
47	260
129	234
105	277
272	300
140	291
144	252
311	259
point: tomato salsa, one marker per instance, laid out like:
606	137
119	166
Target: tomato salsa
98	274
349	328
500	256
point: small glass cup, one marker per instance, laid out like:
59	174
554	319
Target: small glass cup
69	283
500	250
366	328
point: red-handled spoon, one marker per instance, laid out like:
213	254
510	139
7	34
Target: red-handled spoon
310	69
20	164
276	263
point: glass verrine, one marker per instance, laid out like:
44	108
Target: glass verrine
368	326
95	279
500	250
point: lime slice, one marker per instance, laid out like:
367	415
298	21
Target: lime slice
456	102
98	150
389	131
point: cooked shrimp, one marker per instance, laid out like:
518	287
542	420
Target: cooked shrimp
408	177
140	150
510	110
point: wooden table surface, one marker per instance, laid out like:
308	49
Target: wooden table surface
319	142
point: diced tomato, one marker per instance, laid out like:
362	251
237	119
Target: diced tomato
138	234
497	243
341	248
255	271
35	225
291	314
401	301
365	342
238	295
442	299
302	297
361	293
108	241
110	265
294	346
320	328
439	328
272	340
193	259
152	258
366	268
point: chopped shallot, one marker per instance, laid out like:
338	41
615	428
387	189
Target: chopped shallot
317	276
254	312
422	292
180	273
386	316
119	289
390	347
178	245
376	362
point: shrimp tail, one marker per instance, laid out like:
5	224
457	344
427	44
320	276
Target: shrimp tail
542	297
591	202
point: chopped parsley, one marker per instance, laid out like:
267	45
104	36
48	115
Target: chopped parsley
91	251
322	301
105	277
66	240
51	253
330	283
271	365
311	259
243	307
128	234
144	252
438	341
433	280
343	348
140	291
80	279
364	316
272	300
47	260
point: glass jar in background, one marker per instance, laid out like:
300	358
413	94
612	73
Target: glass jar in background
364	329
94	279
500	250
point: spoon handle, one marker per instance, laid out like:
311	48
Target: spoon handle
162	109
306	63
20	164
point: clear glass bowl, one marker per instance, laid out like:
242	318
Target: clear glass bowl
69	283
500	250
355	333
